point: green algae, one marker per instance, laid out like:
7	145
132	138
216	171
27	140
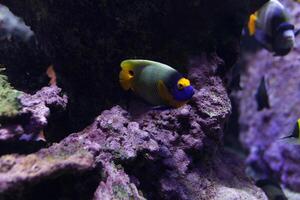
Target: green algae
9	102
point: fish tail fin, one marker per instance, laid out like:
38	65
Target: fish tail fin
251	24
297	32
126	75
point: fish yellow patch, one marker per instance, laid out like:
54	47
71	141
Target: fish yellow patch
126	79
126	76
252	23
167	97
182	83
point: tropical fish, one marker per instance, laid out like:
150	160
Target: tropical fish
272	189
271	27
157	83
295	136
261	96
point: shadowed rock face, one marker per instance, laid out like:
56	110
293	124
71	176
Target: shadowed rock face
261	131
87	40
169	154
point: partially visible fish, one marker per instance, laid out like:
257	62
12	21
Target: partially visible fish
271	27
294	138
261	96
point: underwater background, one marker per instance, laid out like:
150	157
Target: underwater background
72	126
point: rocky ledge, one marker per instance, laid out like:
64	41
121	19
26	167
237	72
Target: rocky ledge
159	154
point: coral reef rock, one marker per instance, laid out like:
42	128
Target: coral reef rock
157	154
33	114
261	131
130	151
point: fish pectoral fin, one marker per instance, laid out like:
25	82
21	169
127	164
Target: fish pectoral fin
252	24
163	92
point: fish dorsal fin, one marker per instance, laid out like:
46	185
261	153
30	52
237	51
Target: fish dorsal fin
132	63
296	131
252	24
166	96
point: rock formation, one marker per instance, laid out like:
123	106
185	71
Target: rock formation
130	151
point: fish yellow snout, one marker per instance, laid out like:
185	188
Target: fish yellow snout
182	83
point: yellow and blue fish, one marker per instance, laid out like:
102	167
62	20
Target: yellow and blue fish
272	28
157	83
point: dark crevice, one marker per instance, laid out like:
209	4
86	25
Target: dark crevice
79	186
20	147
146	175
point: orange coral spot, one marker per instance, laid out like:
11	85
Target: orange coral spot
52	75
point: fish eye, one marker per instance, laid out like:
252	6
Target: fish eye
180	86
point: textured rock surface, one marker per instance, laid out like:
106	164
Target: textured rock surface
86	40
33	114
261	131
132	152
160	154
